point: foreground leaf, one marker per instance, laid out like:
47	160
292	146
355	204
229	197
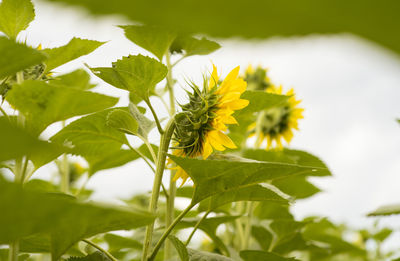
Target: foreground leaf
251	255
110	160
196	255
78	79
15	16
43	104
74	49
153	39
263	19
386	210
66	220
15	57
180	248
96	256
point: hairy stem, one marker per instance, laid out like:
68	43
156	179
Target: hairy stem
168	231
100	249
162	155
196	227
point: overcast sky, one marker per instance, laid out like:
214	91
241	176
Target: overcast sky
350	90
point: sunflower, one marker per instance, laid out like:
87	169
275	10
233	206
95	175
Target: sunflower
201	125
257	79
277	123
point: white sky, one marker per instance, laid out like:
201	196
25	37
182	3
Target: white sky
350	90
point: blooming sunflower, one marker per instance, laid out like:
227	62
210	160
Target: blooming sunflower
201	125
257	79
277	123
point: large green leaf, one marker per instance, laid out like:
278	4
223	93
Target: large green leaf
137	73
180	248
43	104
263	18
189	45
16	57
15	16
111	160
17	142
90	136
74	49
123	121
96	256
66	220
153	39
262	236
78	79
196	255
386	210
212	177
251	255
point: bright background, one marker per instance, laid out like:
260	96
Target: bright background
349	87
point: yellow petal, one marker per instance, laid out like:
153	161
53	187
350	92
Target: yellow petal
213	139
207	150
225	140
237	105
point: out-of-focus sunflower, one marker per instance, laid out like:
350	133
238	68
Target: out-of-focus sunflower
201	125
257	79
276	123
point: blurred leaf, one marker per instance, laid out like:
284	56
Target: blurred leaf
193	46
262	236
196	255
15	16
263	19
272	210
18	142
90	136
251	255
145	125
122	121
250	193
284	230
35	244
216	176
153	39
43	104
78	79
383	234
180	248
393	209
110	160
4	255
65	219
138	74
74	49
116	242
297	187
16	57
96	256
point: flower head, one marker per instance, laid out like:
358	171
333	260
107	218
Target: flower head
257	79
201	125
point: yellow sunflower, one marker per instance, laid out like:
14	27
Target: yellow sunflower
277	123
257	79
201	125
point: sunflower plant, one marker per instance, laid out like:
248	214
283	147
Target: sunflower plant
237	193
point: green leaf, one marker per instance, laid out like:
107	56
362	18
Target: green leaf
116	242
212	177
193	46
35	244
138	74
66	220
110	160
74	49
43	104
251	255
270	210
262	236
145	125
263	19
196	255
250	193
297	186
96	256
4	255
90	136
153	39
78	79
15	56
122	121
17	142
180	248
386	210
15	16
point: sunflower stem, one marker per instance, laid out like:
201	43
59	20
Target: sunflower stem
111	257
162	155
170	84
168	231
196	227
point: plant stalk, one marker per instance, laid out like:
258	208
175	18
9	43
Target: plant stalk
111	257
196	227
162	155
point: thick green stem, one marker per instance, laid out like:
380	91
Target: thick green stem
111	257
196	227
168	231
170	84
162	155
170	214
13	251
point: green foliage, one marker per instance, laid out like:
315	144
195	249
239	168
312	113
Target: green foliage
96	256
110	160
74	49
15	16
145	125
250	255
216	176
78	79
285	18
195	255
189	45
122	121
138	74
20	143
393	209
180	248
16	57
156	40
43	104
